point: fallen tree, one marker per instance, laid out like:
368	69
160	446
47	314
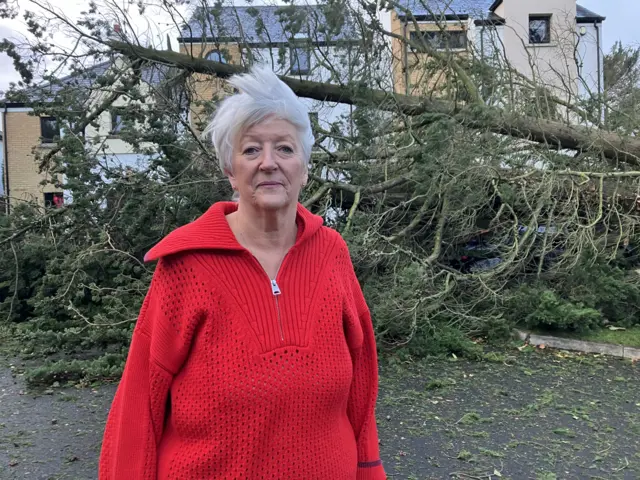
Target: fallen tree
616	147
463	219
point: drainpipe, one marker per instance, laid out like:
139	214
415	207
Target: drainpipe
600	92
5	160
406	59
482	42
483	86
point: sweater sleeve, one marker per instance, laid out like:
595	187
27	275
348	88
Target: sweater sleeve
159	344
364	388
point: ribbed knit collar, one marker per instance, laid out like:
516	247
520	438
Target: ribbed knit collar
211	231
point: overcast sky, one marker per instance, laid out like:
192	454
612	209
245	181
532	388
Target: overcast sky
621	24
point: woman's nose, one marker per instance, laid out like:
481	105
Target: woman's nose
268	160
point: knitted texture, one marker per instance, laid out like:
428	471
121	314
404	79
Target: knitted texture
233	376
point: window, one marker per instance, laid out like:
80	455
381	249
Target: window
49	129
300	61
539	29
53	200
116	121
216	56
441	39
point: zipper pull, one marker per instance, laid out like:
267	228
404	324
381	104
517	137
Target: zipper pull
275	289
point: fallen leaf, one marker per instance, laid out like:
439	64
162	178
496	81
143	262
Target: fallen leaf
497	473
542	346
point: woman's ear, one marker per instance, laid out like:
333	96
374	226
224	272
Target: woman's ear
232	179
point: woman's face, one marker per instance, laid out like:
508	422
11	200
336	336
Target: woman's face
267	165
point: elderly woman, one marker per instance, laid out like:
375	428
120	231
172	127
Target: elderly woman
254	355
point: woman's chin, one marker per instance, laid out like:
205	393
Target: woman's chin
271	201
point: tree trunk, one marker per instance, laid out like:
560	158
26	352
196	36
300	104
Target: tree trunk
553	134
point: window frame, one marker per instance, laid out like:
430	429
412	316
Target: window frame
546	40
44	140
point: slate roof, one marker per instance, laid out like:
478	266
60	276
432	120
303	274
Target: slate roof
268	24
46	91
583	14
473	8
83	81
477	9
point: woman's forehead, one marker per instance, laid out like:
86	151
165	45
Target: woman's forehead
272	128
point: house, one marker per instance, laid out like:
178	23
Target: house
299	41
556	43
1	166
29	135
310	42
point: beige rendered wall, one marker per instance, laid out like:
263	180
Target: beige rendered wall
22	134
412	66
205	87
553	64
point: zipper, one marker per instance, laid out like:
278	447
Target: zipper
275	289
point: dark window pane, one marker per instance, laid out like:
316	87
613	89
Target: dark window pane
539	29
300	61
216	56
49	130
441	40
116	122
53	200
458	40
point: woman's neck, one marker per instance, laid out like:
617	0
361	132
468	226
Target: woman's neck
264	230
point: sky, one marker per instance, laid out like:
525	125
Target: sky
621	24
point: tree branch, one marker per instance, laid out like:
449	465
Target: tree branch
547	132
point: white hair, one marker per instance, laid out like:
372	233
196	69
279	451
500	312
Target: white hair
261	95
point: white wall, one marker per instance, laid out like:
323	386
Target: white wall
550	64
100	137
590	58
1	168
487	42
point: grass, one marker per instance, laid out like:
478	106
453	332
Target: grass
629	337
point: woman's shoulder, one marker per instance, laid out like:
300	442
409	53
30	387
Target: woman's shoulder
332	238
182	269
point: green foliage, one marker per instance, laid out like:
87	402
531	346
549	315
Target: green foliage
621	69
74	281
456	231
594	293
106	367
547	310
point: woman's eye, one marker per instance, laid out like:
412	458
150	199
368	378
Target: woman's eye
250	151
286	149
